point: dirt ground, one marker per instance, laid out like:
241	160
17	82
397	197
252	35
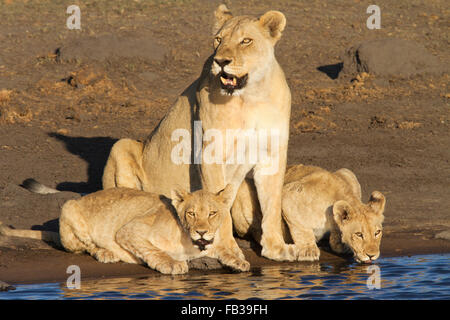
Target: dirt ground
67	95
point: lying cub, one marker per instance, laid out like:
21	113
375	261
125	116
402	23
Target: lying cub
318	203
135	226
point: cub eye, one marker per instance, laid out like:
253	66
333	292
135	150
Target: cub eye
377	232
217	40
359	234
190	214
246	41
212	213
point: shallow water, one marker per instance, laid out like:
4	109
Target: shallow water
415	277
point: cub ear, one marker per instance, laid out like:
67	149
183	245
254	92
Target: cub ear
178	196
377	202
222	14
342	212
274	22
226	195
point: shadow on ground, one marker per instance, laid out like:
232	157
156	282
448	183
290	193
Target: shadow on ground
95	152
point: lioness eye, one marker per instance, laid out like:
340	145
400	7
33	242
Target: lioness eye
377	232
190	213
246	41
212	213
359	234
217	39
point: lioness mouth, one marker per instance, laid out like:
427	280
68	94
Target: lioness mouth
202	243
230	82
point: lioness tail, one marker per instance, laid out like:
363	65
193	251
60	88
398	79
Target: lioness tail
47	236
37	187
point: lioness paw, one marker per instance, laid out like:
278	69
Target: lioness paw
239	265
284	252
106	256
235	262
172	267
243	265
308	253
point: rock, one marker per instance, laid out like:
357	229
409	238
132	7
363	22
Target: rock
443	235
5	286
391	57
204	263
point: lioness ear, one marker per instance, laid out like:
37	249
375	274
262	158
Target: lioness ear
223	14
377	202
178	196
226	195
342	212
274	22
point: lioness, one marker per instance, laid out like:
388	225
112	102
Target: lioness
243	88
134	226
315	203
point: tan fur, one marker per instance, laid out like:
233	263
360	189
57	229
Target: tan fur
317	202
263	104
138	227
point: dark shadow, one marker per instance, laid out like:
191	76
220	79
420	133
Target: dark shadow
332	70
50	225
53	226
95	152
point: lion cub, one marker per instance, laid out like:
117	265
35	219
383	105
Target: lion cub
134	226
316	203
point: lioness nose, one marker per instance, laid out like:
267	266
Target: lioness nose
222	62
201	232
371	256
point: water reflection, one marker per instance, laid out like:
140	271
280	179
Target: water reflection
420	277
312	280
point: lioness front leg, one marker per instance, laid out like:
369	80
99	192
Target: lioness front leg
269	190
233	258
214	182
303	238
156	259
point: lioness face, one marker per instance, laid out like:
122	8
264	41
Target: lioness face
361	228
201	213
244	48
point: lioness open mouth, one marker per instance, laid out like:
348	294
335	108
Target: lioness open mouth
230	82
202	243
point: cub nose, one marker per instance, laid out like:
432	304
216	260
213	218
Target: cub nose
201	232
222	62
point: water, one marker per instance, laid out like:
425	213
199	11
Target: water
416	277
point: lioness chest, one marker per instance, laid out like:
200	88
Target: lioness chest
237	114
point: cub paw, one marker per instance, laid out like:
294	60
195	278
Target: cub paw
308	253
106	256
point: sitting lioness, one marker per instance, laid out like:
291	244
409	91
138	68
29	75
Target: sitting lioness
316	203
135	226
242	89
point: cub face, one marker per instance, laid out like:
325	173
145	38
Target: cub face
201	213
244	48
361	228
